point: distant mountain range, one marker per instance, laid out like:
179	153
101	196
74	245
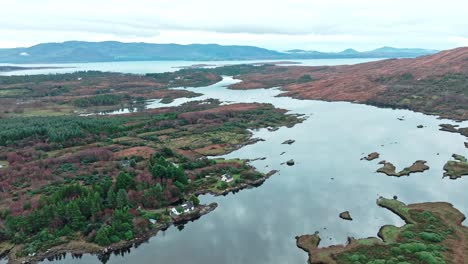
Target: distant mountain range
80	51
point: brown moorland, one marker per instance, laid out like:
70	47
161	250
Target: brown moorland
433	84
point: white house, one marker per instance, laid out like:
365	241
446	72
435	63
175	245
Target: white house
227	178
186	208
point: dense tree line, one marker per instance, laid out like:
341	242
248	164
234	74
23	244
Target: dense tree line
57	129
103	211
36	78
100	100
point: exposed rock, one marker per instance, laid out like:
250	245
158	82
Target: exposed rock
389	169
290	162
289	141
371	156
454	129
420	126
346	216
308	242
466	144
449	128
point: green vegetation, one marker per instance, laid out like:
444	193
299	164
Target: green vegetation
445	95
305	78
101	179
57	129
432	230
456	168
103	99
15	79
389	169
13	92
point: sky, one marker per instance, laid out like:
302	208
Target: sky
325	25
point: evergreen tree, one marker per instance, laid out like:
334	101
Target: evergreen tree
75	219
111	200
122	199
124	181
194	200
102	236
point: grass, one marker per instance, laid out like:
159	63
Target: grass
47	110
238	161
13	92
456	168
389	233
396	207
195	141
435	230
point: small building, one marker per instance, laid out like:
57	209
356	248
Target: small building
186	208
227	178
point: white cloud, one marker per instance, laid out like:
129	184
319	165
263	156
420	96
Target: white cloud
311	24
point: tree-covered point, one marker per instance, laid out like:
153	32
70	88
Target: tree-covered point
102	211
15	79
102	99
57	129
62	128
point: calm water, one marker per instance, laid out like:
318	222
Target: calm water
141	67
258	225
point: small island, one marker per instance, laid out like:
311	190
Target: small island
346	216
289	141
430	229
454	129
390	170
457	168
371	156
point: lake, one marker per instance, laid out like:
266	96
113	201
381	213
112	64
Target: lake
141	67
259	225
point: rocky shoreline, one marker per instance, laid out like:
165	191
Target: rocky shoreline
390	170
234	189
82	247
419	218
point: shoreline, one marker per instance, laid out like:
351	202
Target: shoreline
100	251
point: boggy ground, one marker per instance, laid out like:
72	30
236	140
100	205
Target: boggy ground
91	91
99	180
434	84
433	233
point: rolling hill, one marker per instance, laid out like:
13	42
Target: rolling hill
108	51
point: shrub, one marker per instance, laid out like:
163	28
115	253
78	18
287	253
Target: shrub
413	247
427	257
407	234
432	237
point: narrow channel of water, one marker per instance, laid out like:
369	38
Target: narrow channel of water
258	225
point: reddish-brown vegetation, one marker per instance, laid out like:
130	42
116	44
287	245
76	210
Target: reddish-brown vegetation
385	82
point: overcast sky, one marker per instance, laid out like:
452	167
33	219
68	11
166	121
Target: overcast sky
327	25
